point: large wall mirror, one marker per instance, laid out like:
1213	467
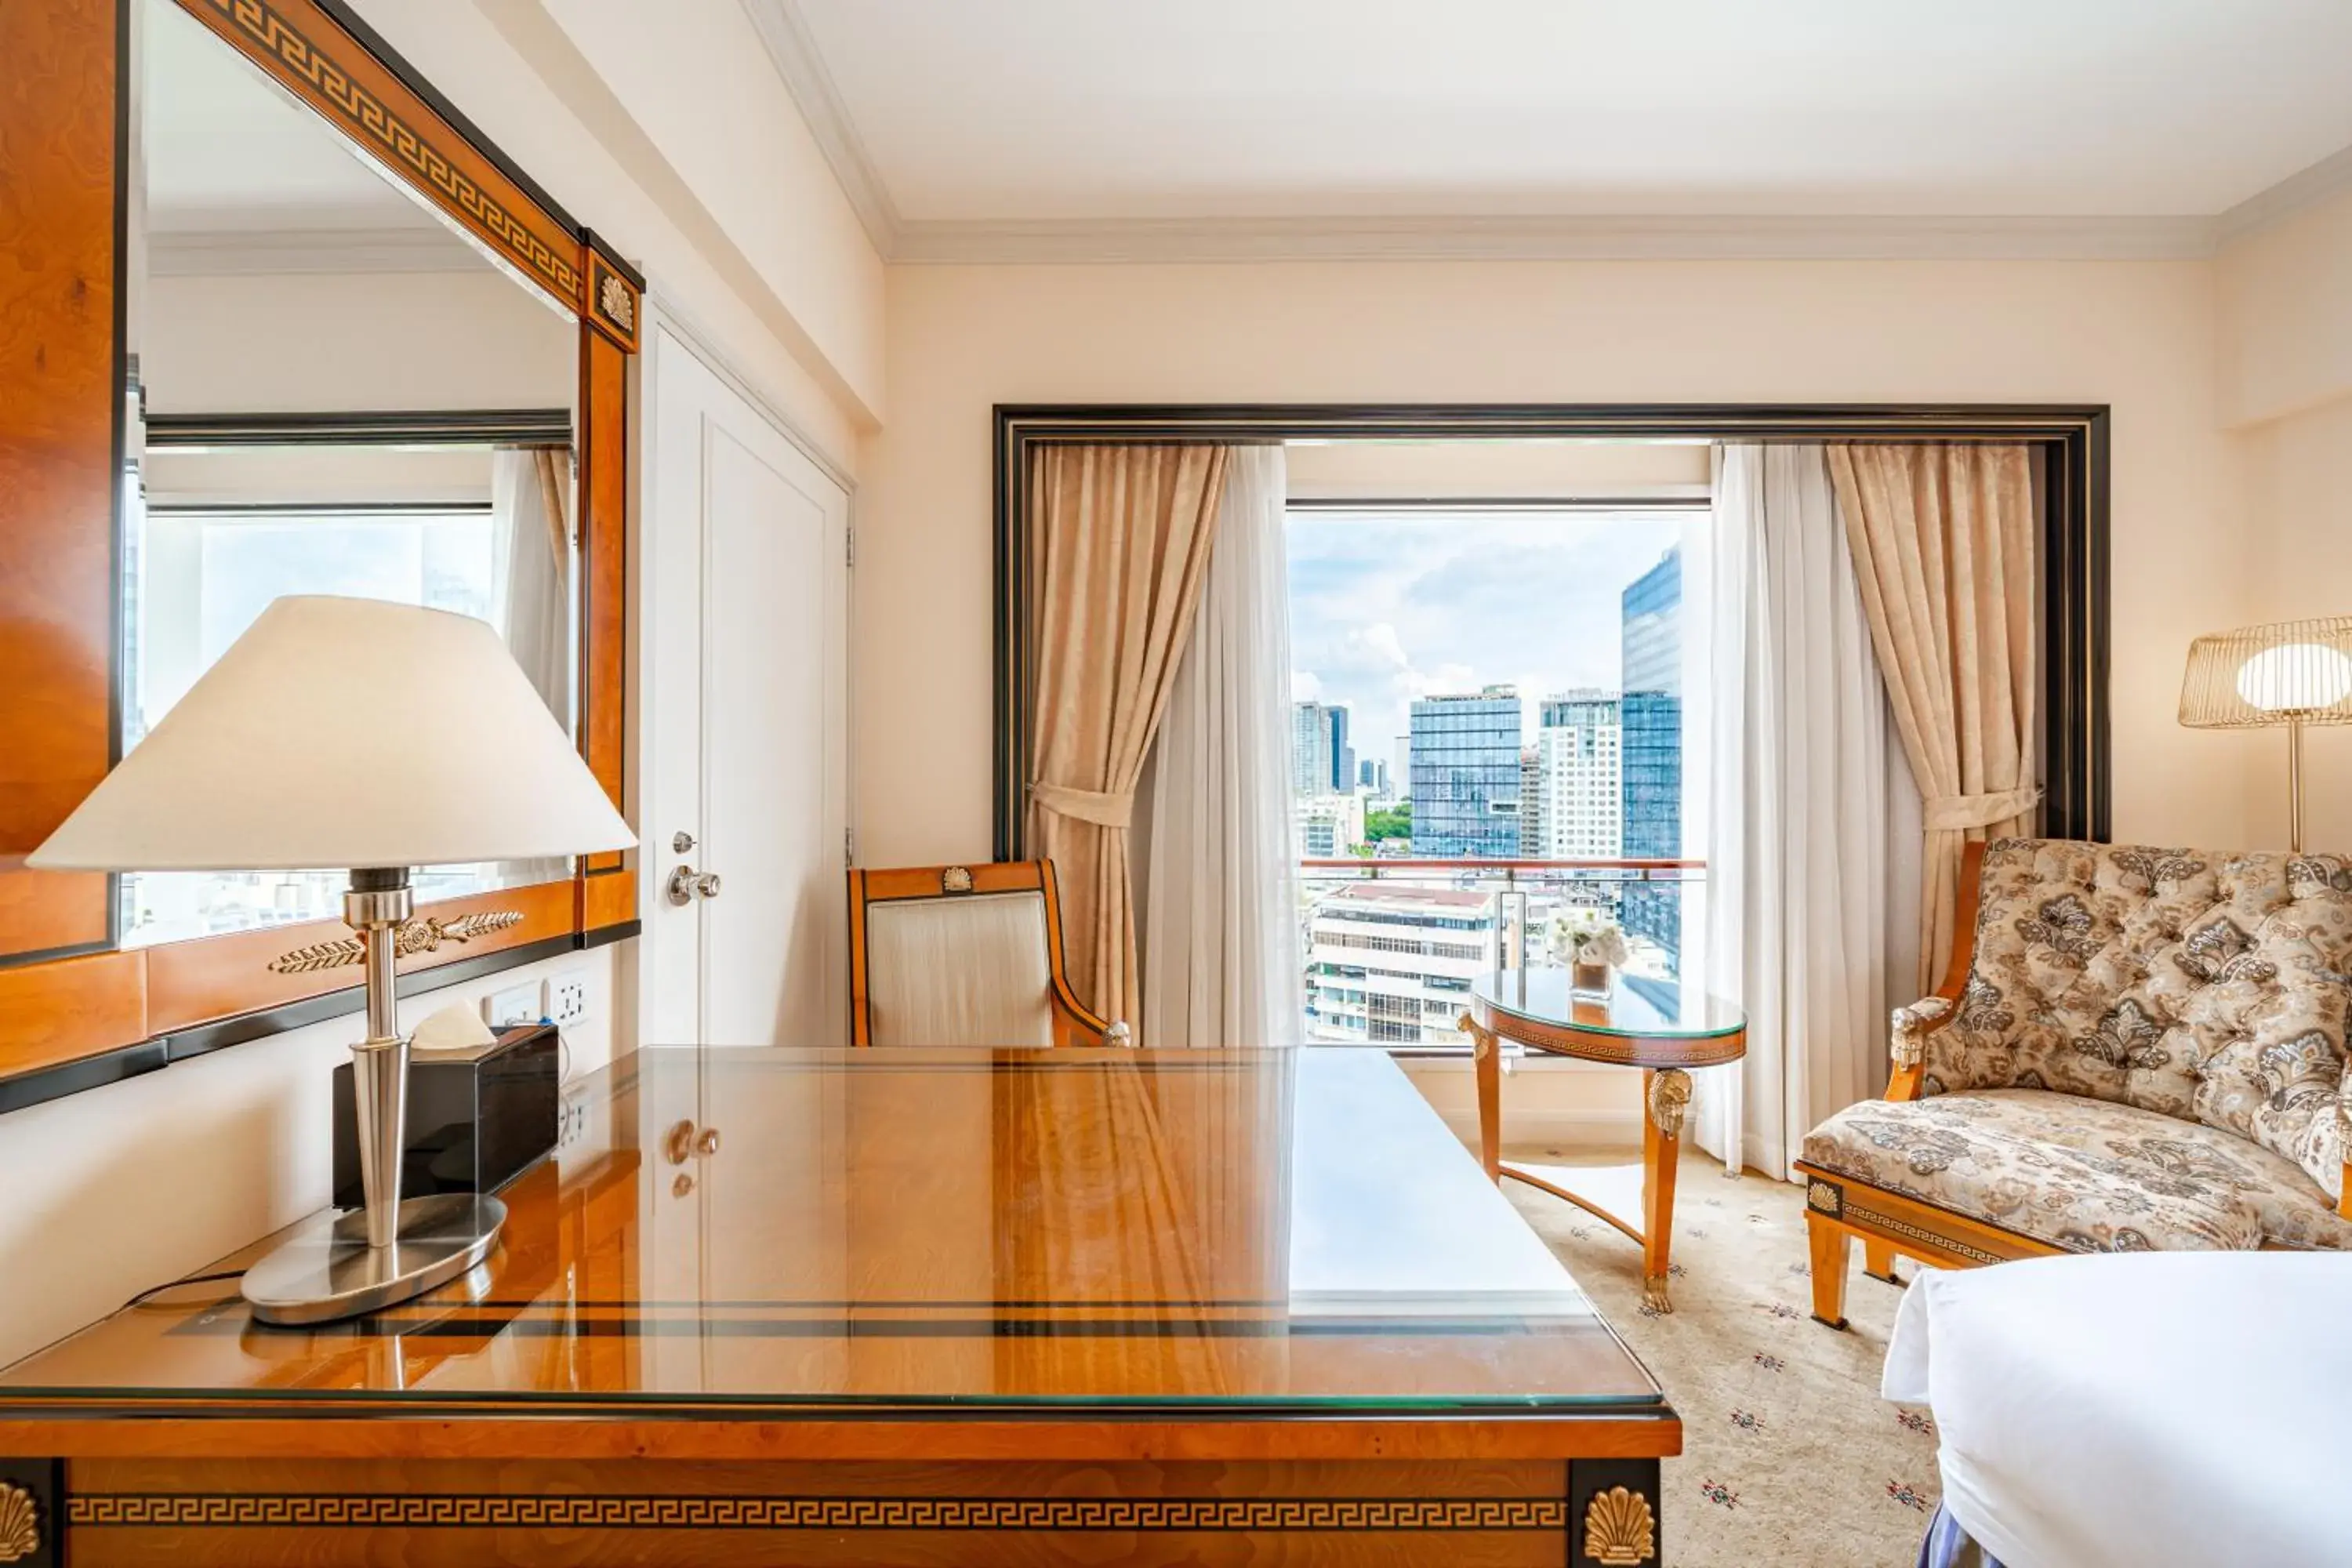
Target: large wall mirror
292	325
336	390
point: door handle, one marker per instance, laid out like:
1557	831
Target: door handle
685	885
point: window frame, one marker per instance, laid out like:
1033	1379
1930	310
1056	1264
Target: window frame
2076	746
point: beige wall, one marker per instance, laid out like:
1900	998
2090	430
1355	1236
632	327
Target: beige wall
2139	335
2299	504
2284	295
2285	306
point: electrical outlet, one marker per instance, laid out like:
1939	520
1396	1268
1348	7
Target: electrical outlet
571	1122
566	1001
515	1004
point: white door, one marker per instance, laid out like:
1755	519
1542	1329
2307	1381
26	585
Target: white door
747	771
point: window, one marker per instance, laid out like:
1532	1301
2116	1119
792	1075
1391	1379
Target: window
1522	673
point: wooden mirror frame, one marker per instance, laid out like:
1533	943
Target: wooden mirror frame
76	1009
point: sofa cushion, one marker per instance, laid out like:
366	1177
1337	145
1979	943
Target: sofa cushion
2207	986
2089	1175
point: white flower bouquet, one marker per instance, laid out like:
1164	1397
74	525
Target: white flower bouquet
1591	945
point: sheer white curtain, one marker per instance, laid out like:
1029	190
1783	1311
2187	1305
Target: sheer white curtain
1797	829
1218	902
531	507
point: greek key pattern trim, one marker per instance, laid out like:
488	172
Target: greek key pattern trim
1829	1200
378	126
1905	1230
428	1510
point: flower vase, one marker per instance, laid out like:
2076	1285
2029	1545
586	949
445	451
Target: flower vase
1595	980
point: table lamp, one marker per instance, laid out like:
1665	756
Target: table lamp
378	736
2294	673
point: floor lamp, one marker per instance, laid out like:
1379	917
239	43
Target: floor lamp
2294	673
381	737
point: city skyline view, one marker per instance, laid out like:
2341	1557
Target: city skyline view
1386	607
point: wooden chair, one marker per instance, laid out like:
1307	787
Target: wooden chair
963	955
2135	1049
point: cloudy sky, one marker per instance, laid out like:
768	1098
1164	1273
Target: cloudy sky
1385	608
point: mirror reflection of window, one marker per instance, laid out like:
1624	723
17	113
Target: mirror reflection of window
331	391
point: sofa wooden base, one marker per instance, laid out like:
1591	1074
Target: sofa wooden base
1839	1209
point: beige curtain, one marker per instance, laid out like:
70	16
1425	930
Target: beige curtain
1943	540
1119	544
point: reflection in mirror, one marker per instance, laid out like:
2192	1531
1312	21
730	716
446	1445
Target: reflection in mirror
332	391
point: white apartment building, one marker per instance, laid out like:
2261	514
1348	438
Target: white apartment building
1330	825
1389	965
1582	776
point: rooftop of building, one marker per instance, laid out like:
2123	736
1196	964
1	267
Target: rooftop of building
1413	897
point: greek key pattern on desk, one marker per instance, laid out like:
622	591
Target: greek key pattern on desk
181	1511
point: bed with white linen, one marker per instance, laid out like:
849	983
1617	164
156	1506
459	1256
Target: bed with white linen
2140	1409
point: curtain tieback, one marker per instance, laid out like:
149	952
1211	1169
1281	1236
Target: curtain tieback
1085	805
1958	812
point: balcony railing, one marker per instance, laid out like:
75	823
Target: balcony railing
1370	961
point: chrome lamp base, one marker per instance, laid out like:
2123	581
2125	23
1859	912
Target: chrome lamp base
387	1251
327	1271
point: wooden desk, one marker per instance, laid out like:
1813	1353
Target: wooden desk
903	1307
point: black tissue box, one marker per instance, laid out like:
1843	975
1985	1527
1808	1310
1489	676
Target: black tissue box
475	1119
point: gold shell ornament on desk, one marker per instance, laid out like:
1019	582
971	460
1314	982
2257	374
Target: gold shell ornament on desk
20	1524
1619	1529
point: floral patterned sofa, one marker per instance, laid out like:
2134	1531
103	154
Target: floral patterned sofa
2139	1048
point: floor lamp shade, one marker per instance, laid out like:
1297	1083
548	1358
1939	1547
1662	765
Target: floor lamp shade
2263	675
346	732
2291	673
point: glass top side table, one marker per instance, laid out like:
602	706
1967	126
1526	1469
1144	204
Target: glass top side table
1661	1028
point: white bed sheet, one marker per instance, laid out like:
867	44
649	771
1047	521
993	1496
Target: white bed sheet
2138	1409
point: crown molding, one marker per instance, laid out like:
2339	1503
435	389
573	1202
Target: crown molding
224	253
792	49
1599	238
2297	191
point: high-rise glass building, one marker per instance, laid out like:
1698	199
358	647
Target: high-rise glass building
1321	759
1651	743
1465	776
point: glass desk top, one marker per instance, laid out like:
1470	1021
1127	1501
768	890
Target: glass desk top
795	1232
1636	1009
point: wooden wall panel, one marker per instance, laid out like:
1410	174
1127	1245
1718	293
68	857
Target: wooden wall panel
607	898
604	552
72	1008
60	432
41	911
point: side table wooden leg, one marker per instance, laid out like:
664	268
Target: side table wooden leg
1486	1058
1665	1093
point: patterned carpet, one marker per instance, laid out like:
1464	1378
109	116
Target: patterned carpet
1789	1457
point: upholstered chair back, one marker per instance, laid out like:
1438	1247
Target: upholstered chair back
965	971
2209	986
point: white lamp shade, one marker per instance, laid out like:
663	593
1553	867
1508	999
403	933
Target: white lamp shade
346	732
2296	677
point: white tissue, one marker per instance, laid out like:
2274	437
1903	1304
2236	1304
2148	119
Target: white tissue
456	1027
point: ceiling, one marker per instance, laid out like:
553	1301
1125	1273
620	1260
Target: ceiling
1084	111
